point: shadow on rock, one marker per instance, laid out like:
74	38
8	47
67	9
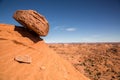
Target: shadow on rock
27	33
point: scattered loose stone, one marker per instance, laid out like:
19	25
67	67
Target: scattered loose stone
23	59
33	21
42	67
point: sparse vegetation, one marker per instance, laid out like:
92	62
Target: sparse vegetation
96	61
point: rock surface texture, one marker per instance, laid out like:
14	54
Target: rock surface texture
23	59
45	65
33	21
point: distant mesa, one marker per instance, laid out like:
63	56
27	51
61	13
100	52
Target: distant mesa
33	21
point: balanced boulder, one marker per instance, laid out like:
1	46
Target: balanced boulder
33	21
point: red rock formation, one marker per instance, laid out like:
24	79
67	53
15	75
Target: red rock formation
32	20
45	65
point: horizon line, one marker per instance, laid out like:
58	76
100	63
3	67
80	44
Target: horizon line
83	42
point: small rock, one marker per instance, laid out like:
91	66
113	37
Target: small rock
23	59
33	21
42	67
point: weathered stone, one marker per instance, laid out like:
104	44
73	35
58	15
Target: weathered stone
23	59
42	67
33	21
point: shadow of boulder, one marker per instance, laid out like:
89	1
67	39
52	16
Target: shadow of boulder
27	33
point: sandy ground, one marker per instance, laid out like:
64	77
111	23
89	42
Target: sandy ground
98	61
45	64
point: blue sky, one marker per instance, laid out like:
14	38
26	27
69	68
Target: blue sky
71	20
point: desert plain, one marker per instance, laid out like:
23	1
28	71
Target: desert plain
97	61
